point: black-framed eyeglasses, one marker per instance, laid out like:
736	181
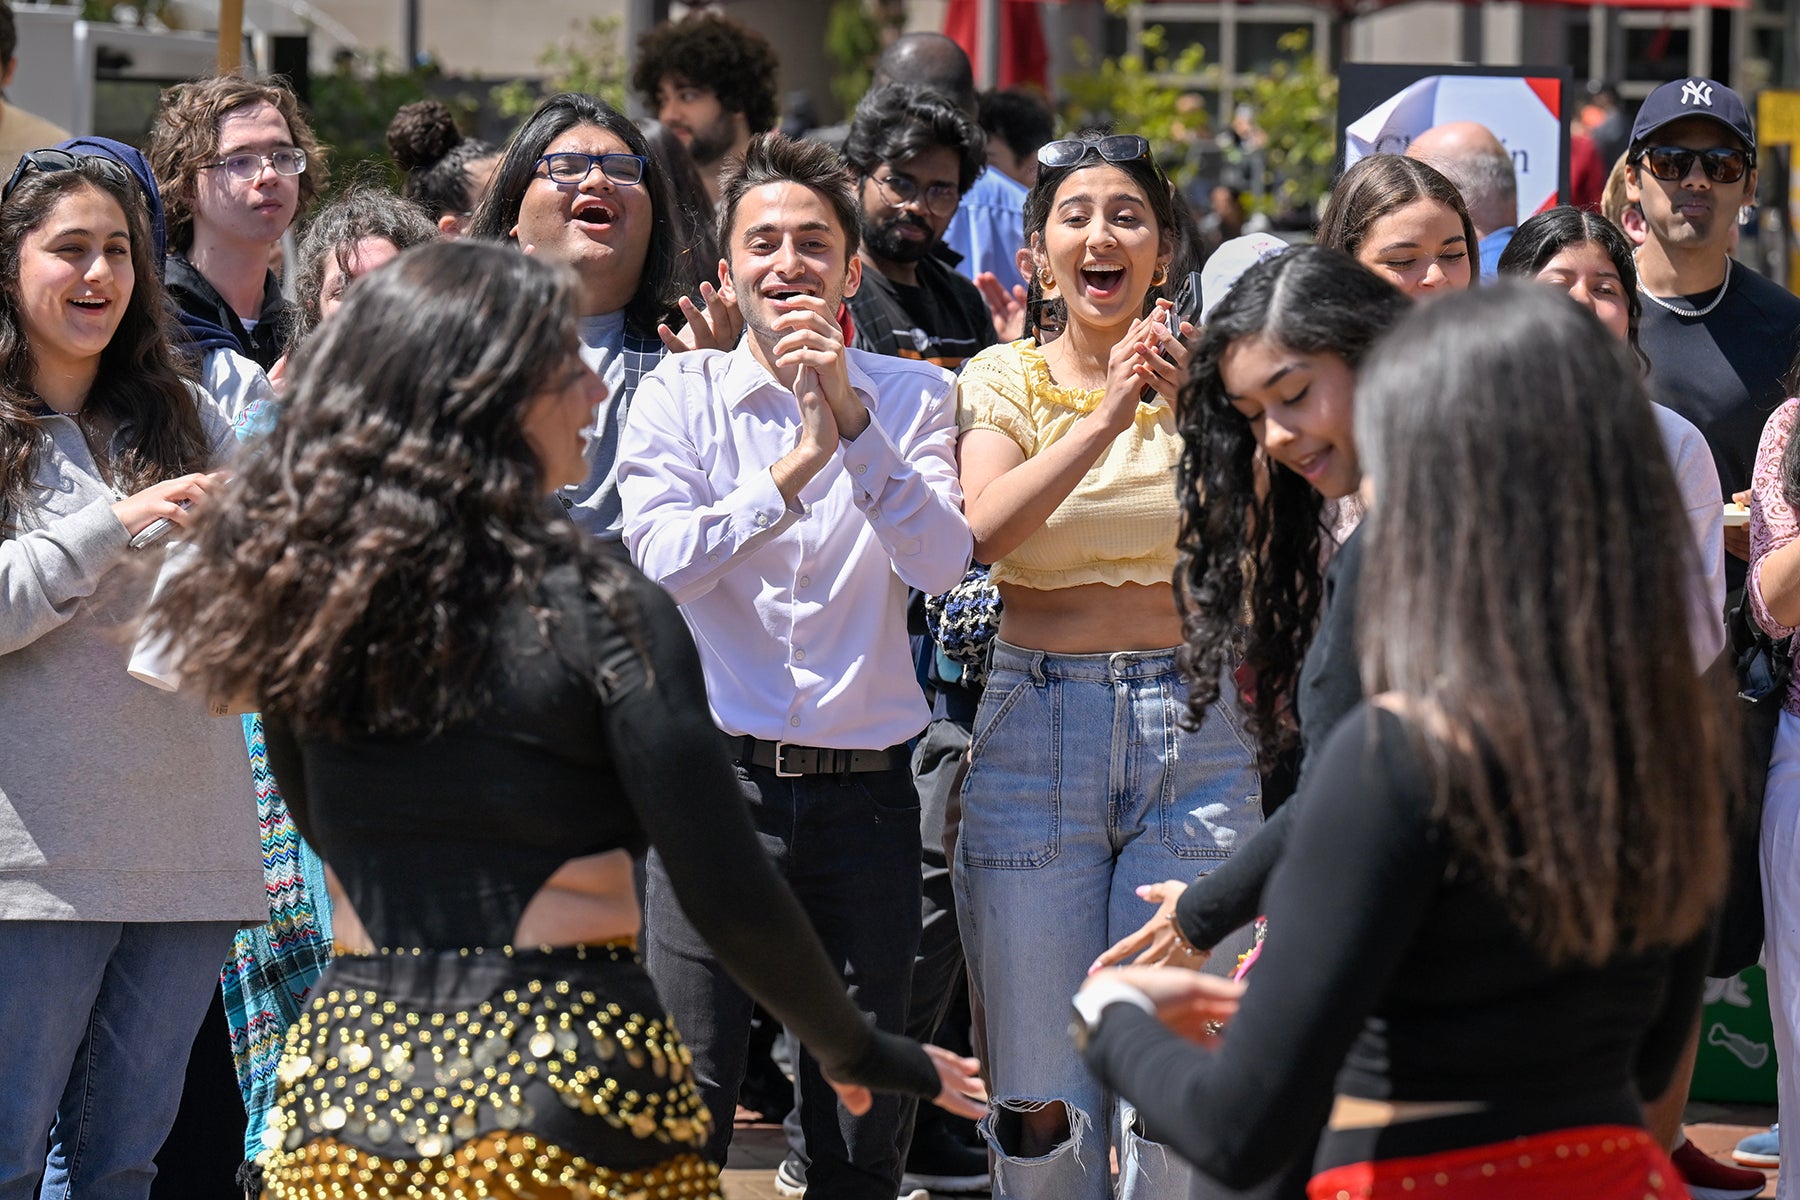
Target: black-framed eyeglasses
245	166
939	199
63	160
572	167
1114	148
1671	164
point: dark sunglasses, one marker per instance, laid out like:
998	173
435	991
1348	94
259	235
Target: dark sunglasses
1114	148
1671	164
62	160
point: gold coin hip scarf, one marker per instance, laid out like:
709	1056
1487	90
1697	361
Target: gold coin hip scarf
433	1072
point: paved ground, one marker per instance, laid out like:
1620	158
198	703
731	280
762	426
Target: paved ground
756	1149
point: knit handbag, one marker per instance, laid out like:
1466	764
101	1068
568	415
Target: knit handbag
963	620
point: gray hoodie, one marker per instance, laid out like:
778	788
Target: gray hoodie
118	802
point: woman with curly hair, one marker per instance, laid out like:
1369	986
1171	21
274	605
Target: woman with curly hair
472	714
128	857
1268	461
1487	943
447	174
362	229
1405	222
1082	785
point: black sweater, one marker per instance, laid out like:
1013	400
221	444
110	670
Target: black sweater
1389	975
582	745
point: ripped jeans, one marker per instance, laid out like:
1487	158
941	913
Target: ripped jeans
1082	788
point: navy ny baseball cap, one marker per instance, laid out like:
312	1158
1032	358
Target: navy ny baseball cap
1694	97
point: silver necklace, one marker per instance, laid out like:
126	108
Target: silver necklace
1689	312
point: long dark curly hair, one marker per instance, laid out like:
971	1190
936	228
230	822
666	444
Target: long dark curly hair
349	580
668	274
1265	554
142	383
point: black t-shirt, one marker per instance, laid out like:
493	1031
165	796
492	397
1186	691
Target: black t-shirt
582	744
1391	976
943	321
1724	371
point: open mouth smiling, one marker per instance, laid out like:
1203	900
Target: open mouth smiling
594	212
1103	278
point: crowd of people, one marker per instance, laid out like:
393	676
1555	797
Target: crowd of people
650	582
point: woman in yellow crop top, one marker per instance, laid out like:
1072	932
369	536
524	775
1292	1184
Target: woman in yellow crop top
1083	786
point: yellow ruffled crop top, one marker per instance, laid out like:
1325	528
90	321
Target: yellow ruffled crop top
1119	524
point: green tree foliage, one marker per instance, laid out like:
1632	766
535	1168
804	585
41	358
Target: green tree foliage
1296	105
350	110
590	60
1140	93
856	32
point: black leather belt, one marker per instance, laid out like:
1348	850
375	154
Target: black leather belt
789	761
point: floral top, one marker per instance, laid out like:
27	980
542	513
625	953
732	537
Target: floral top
1772	526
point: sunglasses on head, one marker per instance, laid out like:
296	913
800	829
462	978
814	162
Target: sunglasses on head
1114	148
1671	164
62	160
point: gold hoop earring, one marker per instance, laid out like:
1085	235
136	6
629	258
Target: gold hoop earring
1047	279
1162	275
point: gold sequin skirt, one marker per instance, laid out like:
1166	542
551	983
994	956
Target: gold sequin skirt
545	1073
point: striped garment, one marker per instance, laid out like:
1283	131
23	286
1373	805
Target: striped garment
272	966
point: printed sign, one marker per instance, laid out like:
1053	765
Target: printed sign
1523	108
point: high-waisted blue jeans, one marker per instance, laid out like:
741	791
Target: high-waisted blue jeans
1083	786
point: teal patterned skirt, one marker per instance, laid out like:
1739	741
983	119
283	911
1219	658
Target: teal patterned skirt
274	966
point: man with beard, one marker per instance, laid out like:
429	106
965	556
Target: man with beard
711	81
1720	339
913	155
787	493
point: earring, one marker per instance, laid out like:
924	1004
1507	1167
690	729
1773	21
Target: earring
1162	275
1047	279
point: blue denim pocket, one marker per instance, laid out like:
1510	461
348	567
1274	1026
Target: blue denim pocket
1212	792
1011	794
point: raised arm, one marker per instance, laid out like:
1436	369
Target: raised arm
46	573
904	483
680	532
1773	582
1010	485
721	875
1346	898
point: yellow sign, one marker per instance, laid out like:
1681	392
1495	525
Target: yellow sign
1778	117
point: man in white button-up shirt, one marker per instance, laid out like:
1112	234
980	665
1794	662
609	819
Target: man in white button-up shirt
787	493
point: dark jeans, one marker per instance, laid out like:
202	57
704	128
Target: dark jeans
940	968
848	845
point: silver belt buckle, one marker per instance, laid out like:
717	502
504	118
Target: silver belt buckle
781	771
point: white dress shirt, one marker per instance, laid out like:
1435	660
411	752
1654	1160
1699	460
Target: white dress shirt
799	612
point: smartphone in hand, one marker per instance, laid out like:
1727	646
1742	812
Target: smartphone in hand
156	530
1187	303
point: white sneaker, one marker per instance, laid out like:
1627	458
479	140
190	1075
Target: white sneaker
788	1183
789	1180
